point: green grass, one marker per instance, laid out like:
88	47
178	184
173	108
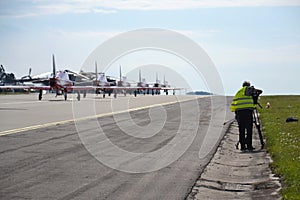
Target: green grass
283	140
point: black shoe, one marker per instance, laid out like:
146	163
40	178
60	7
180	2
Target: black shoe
250	149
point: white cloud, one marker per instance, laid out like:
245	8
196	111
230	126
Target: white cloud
84	34
104	35
96	10
54	7
183	4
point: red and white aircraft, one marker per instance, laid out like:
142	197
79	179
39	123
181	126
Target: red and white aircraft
102	83
156	86
112	86
59	82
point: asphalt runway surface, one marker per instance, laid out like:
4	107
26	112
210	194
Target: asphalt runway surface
46	154
19	111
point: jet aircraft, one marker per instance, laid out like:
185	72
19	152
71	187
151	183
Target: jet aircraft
61	83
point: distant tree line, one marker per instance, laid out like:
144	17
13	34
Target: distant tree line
199	93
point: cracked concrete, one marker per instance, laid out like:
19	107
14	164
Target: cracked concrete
233	174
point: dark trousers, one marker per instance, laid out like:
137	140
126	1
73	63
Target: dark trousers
245	121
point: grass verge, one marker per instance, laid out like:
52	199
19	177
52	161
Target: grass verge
283	140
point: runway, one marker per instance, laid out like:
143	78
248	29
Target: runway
59	161
21	111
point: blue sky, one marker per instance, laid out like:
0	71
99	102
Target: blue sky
247	40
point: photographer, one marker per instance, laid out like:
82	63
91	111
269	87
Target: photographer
243	104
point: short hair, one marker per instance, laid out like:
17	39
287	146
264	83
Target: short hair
246	83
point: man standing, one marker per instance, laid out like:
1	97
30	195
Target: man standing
243	106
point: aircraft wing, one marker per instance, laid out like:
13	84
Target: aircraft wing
45	87
14	87
137	88
171	88
67	87
80	88
25	87
127	88
77	88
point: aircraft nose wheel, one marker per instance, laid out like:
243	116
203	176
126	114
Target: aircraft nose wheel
65	95
40	94
78	96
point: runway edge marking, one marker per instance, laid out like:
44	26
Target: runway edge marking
18	130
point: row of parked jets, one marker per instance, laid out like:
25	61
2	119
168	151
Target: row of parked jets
61	83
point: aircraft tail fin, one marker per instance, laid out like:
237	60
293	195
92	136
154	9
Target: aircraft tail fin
96	71
120	73
140	76
53	65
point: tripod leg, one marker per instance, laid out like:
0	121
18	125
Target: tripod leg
262	143
257	124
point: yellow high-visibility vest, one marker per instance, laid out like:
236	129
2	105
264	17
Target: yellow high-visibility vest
242	101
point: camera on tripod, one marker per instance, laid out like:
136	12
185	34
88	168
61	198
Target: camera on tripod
255	94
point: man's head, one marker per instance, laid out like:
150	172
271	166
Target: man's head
246	83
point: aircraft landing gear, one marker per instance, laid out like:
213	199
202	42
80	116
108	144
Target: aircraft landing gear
65	95
103	93
78	96
40	94
135	92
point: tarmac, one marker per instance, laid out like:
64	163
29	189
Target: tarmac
233	174
27	111
46	147
43	155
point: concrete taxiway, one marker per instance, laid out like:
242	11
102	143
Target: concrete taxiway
54	158
21	111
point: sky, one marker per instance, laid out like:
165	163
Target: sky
254	40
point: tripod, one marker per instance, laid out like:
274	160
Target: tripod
256	121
